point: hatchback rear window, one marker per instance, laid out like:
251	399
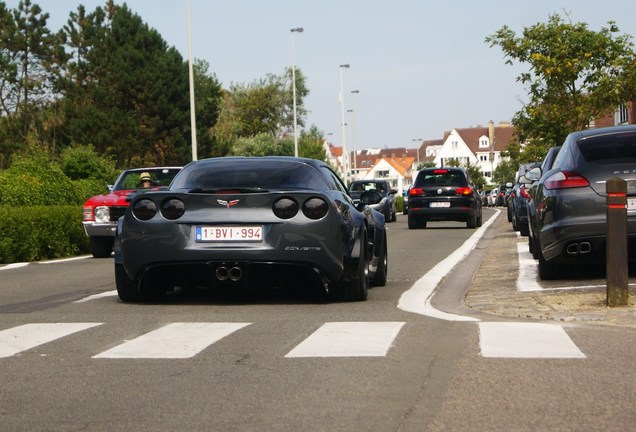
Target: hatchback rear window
441	178
607	148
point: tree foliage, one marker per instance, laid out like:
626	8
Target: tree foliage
576	74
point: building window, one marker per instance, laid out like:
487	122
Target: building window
382	174
621	115
483	158
483	143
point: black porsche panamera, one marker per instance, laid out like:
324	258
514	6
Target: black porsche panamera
251	220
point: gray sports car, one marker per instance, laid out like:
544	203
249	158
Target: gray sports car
251	221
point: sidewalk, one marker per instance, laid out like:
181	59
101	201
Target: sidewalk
494	289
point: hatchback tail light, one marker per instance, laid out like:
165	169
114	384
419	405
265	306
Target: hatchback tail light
416	192
464	191
565	180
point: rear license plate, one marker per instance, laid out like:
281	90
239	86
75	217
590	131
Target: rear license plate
631	203
229	233
440	204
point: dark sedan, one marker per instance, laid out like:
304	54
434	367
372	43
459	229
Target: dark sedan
571	198
444	194
268	221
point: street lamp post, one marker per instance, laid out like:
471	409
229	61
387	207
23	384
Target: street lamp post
353	135
418	149
345	156
294	30
193	121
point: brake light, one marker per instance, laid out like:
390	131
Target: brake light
565	180
416	192
524	192
440	171
464	191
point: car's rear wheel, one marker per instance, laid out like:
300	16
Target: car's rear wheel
101	246
547	270
357	288
127	288
415	223
472	220
383	266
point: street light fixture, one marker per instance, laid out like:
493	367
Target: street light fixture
294	30
345	156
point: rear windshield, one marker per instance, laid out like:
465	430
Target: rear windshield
440	178
249	174
367	186
609	148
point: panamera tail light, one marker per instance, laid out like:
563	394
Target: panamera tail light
172	208
285	208
464	191
144	209
565	180
315	208
416	192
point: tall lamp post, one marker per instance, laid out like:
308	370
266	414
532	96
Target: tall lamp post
418	149
345	156
193	120
353	135
294	30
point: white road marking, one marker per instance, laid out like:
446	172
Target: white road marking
14	266
349	339
27	336
526	340
61	260
418	298
97	296
174	341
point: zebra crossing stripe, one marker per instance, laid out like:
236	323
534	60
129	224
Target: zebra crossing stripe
526	340
349	339
27	336
174	341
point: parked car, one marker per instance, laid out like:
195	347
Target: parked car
251	221
101	212
546	165
444	194
492	197
405	201
518	201
387	206
571	198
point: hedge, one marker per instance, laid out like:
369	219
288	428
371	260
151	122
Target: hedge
34	233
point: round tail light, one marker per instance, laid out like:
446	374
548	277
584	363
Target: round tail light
315	208
285	208
172	209
144	209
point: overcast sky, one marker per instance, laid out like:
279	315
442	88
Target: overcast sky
421	67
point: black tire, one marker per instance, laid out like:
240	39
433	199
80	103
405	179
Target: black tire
101	247
547	270
127	288
524	230
383	265
394	216
416	224
357	289
472	221
509	213
480	218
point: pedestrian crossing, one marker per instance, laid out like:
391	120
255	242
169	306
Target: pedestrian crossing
183	340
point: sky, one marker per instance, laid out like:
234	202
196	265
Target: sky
421	67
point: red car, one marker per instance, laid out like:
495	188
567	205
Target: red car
100	213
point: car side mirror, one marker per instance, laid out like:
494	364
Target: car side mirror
509	184
533	175
369	198
393	191
524	180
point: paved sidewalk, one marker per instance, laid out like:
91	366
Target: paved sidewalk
494	289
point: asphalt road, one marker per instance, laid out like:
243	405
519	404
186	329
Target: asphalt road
74	358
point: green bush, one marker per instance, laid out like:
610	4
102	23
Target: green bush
33	233
84	163
36	181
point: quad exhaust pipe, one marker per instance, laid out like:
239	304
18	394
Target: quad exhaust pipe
233	274
581	248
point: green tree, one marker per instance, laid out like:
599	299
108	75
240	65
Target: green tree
263	144
576	74
29	64
311	144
